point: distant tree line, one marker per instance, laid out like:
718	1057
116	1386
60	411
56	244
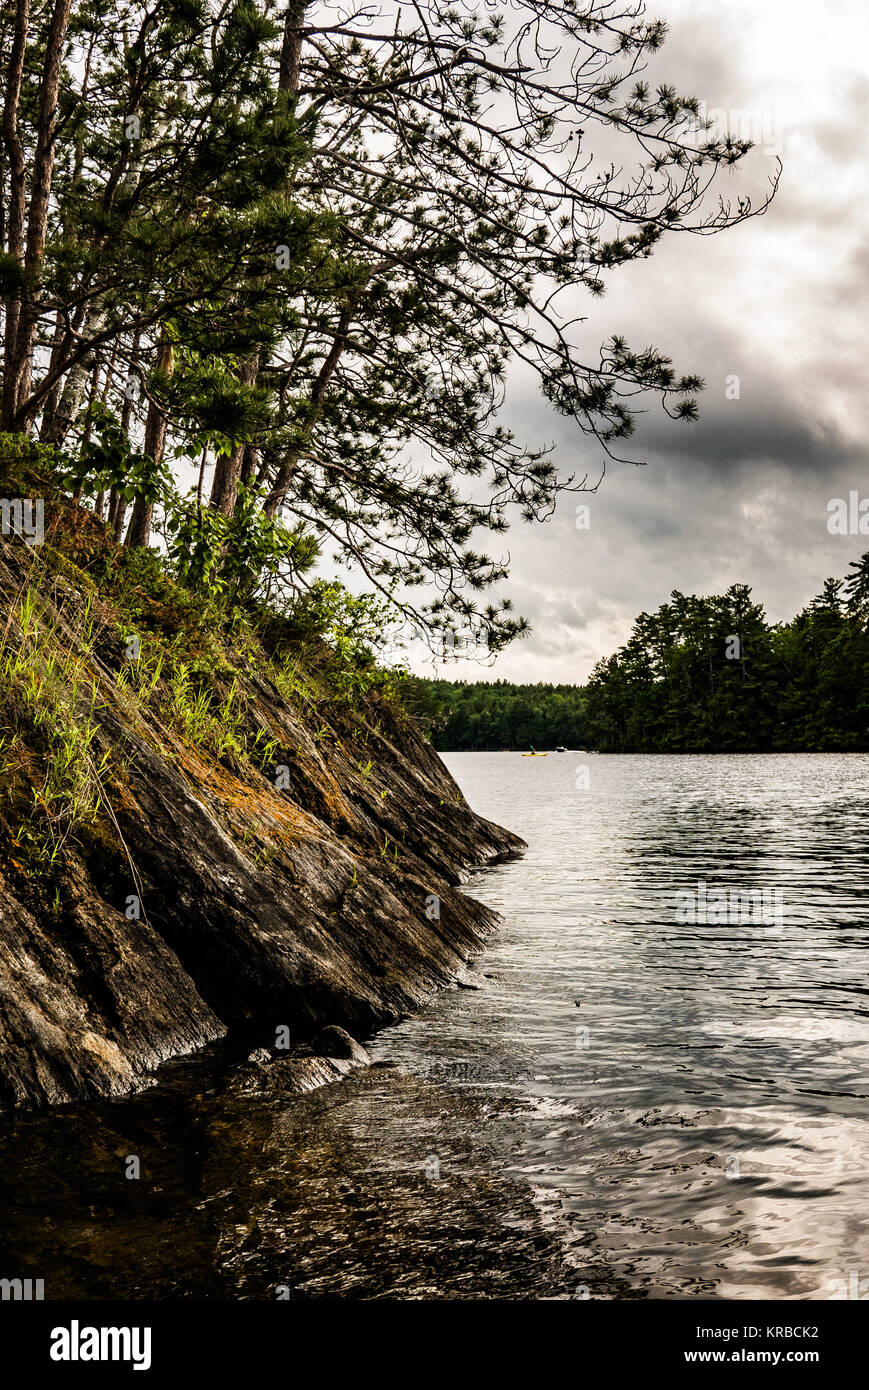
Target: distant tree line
700	674
463	716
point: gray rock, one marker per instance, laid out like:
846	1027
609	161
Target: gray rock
336	1042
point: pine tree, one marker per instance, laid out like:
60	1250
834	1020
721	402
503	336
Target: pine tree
303	256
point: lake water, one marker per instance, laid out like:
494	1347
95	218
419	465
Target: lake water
626	1104
698	1093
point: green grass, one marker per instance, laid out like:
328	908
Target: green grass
50	700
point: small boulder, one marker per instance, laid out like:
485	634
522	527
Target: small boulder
336	1042
260	1056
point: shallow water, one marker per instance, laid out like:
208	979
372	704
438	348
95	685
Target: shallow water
627	1106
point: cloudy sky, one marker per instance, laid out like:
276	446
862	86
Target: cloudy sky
780	303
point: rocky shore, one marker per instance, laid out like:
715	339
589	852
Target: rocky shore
208	897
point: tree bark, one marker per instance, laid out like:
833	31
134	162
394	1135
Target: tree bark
139	532
40	193
318	392
291	49
72	396
227	470
117	503
51	402
93	391
16	201
248	465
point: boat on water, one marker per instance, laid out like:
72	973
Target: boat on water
561	748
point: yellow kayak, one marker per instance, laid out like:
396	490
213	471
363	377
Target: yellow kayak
535	755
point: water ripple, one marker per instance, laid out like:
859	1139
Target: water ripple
712	1074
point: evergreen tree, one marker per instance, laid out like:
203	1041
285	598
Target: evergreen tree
857	587
316	246
710	675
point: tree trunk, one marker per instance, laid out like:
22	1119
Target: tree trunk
40	193
291	50
318	392
139	532
75	386
119	518
288	87
248	465
117	503
53	397
227	470
92	395
16	201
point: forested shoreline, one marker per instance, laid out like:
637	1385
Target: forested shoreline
699	675
464	716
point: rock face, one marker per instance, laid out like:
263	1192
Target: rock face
215	897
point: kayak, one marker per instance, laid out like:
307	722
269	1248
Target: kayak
535	755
